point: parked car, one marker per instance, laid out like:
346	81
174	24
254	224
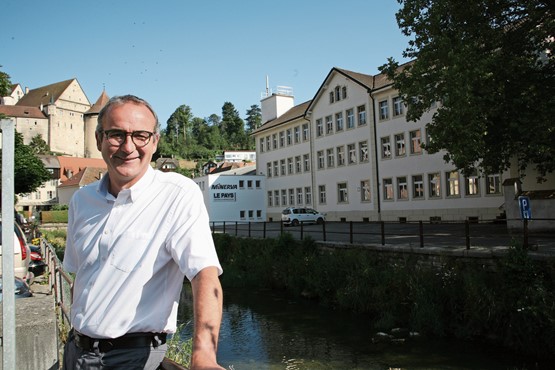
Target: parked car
22	289
295	216
22	254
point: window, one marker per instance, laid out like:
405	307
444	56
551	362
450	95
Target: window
352	153
282	167
289	142
268	143
251	213
297	131
308	195
402	188
258	213
332	97
319	127
434	185
397	106
281	139
415	141
299	196
493	184
283	197
305	132
400	149
50	194
320	156
322	194
339	121
330	155
337	93
274	141
452	183
342	192
344	92
340	155
363	151
298	168
365	191
291	197
472	183
386	147
261	145
257	182
242	214
276	198
306	162
361	110
241	184
269	169
350	118
290	166
329	125
384	109
270	200
276	173
417	187
387	189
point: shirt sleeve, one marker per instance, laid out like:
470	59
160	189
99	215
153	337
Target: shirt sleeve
190	238
70	255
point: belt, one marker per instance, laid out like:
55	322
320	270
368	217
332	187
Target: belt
127	341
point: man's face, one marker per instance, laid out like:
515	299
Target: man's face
127	162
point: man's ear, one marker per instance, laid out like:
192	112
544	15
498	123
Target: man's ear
98	136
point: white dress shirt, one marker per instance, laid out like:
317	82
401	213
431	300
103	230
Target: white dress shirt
131	253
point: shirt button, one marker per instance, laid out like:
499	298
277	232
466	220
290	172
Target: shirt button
105	232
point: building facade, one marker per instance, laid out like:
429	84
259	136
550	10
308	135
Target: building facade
350	153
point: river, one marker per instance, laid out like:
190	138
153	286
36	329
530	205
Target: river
267	330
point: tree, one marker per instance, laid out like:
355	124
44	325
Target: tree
5	86
254	120
39	146
179	125
29	171
233	126
490	65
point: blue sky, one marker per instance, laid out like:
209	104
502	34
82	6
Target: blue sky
198	53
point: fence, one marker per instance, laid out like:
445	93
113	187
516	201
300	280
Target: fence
470	233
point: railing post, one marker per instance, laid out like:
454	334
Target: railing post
467	233
223	230
421	233
351	232
249	229
236	224
324	229
302	229
264	232
281	228
382	226
213	227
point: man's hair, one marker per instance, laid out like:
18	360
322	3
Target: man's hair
123	99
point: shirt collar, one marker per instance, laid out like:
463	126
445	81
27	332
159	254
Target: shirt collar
134	191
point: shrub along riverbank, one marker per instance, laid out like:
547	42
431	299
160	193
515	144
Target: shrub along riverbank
513	307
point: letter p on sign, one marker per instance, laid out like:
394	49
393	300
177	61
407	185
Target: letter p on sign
525	210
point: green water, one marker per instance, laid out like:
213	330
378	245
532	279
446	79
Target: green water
269	330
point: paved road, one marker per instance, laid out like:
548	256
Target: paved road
485	235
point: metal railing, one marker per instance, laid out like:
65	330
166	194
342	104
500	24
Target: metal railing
469	233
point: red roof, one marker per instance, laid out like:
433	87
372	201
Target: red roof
73	165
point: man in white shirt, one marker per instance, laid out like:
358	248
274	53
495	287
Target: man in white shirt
132	238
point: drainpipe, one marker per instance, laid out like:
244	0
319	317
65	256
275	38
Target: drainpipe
311	156
378	202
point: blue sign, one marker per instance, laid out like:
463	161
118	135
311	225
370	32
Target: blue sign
525	210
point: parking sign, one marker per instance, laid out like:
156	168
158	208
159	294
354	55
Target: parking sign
525	210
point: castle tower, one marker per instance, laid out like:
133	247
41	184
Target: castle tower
91	121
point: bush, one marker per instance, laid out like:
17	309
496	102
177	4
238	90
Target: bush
48	217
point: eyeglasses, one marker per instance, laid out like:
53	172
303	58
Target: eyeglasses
118	137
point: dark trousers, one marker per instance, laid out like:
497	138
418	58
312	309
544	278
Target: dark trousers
138	358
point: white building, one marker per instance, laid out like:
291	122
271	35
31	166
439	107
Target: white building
234	195
350	153
239	156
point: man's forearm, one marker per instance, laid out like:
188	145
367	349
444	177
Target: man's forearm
207	303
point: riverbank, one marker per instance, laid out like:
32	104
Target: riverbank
508	304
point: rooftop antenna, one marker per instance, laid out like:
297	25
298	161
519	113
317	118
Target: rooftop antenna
267	86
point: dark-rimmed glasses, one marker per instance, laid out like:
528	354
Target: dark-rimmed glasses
118	137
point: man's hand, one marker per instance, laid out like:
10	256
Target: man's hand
207	303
